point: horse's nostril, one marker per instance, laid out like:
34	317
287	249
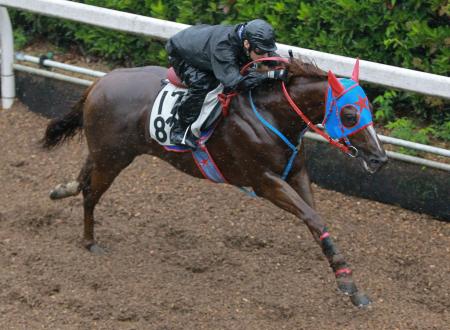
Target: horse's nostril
378	160
382	159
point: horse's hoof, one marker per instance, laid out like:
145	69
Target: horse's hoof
55	194
360	300
96	249
65	190
346	287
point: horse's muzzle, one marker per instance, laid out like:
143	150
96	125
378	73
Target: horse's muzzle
374	163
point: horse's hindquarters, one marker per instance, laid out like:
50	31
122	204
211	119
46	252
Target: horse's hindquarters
116	108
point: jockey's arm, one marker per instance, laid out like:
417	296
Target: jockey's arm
227	72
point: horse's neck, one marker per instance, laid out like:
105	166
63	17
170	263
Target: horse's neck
308	95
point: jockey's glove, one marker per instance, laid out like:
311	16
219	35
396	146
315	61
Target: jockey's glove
280	74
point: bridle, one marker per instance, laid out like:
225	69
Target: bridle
346	147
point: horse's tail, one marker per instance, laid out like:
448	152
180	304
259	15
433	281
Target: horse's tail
61	129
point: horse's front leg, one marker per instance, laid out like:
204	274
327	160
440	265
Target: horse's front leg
289	198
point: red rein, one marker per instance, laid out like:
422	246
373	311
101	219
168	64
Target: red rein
342	147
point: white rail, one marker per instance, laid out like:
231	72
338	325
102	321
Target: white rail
416	146
59	65
53	75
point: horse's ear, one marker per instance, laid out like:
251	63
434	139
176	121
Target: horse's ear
355	74
336	87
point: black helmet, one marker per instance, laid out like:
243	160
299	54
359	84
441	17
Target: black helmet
260	34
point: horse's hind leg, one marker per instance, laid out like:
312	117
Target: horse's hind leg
73	188
64	190
95	178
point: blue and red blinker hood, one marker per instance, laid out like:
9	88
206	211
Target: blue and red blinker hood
345	92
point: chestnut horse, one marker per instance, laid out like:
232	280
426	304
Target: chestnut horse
114	113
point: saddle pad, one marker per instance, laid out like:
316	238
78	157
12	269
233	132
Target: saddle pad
162	116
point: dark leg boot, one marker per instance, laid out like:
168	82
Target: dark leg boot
200	83
182	135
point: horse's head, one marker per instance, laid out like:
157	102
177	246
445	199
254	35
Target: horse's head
348	118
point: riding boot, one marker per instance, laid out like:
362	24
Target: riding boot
182	135
181	130
200	83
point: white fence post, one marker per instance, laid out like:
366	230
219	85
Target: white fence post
7	72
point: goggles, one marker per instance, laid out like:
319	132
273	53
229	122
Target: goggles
259	51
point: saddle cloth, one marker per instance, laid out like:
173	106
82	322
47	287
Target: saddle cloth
162	115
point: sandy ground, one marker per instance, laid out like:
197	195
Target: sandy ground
184	253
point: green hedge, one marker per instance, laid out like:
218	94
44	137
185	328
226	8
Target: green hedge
412	34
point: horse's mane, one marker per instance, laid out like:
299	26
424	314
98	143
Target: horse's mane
298	67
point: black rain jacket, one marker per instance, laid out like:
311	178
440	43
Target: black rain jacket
217	49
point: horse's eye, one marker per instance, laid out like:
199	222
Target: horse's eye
350	119
349	116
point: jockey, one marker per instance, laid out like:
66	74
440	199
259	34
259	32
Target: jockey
205	55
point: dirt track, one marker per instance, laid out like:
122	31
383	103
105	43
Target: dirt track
188	254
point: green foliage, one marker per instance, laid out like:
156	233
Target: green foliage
20	38
412	34
385	106
407	34
443	131
404	128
